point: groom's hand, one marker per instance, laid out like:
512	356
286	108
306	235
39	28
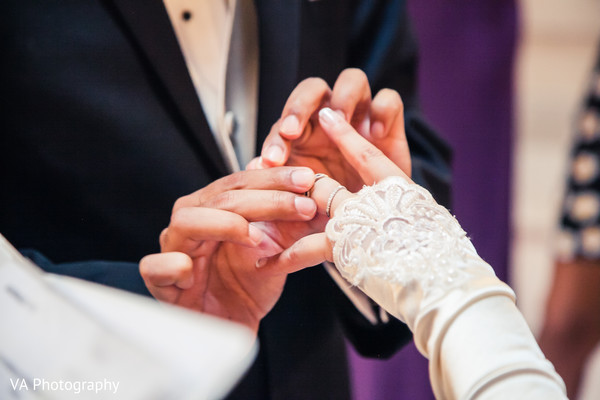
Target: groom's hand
210	248
298	139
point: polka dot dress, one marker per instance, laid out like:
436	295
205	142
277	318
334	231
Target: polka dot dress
580	223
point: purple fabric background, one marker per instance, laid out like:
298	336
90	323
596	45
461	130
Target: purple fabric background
466	87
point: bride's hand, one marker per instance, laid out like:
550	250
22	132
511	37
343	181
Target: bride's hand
367	160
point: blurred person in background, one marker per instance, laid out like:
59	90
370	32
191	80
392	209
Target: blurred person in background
571	328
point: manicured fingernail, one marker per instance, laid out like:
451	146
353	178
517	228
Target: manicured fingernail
377	130
261	164
256	235
329	117
305	206
261	262
290	125
302	177
274	154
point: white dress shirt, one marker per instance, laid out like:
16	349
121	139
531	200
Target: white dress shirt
218	41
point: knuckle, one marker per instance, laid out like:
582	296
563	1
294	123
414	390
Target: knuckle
224	201
315	82
282	200
163	237
179	219
277	177
369	153
144	267
305	94
354	73
296	107
390	99
193	199
237	180
180	203
201	197
352	84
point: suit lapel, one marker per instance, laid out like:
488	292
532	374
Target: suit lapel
150	29
279	38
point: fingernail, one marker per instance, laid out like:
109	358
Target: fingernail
290	125
261	262
261	164
302	177
274	154
305	206
256	235
329	117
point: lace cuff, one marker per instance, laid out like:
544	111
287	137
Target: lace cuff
409	254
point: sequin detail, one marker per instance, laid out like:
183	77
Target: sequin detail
397	232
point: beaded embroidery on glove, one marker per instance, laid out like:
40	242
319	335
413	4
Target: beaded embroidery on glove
396	231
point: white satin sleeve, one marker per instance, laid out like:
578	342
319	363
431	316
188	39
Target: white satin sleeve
410	255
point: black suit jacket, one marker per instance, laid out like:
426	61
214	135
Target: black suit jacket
102	131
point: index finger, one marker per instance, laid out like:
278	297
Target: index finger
352	95
370	162
304	101
292	179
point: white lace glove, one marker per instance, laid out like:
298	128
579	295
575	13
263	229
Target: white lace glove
410	255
